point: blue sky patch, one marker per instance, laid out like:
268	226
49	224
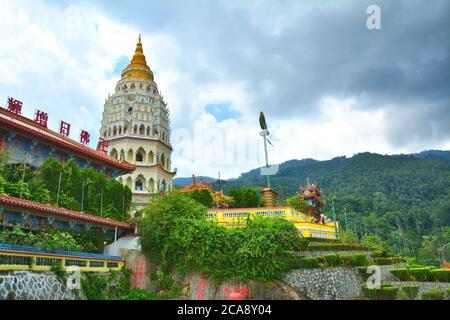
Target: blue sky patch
121	64
222	111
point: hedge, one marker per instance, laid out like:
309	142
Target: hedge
422	274
433	294
386	292
338	247
387	261
331	259
440	275
389	292
410	291
361	260
309	262
348	259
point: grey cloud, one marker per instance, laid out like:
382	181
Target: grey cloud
291	54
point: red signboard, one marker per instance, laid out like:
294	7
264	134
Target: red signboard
102	145
64	128
85	137
41	117
14	105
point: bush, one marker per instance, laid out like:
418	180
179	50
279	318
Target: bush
361	260
383	261
175	232
389	292
410	291
433	294
386	292
401	273
331	259
309	262
138	294
448	293
440	275
420	274
94	286
347	259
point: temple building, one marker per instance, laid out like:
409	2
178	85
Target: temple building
136	126
30	141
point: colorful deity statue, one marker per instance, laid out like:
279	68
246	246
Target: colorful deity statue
311	194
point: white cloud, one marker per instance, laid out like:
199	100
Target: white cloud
62	58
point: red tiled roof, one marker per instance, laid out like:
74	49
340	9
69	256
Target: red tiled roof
61	212
31	128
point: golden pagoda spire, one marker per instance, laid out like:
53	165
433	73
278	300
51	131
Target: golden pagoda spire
138	68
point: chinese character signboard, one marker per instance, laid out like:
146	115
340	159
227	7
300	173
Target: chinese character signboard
85	137
64	128
41	117
14	105
102	145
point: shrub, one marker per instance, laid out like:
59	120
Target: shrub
401	273
410	291
309	262
361	260
448	293
363	273
383	261
175	232
386	292
138	294
94	286
440	275
420	274
389	292
433	294
331	259
371	293
347	259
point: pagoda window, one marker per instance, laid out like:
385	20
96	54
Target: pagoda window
125	129
148	130
163	160
140	86
130	155
114	131
140	155
138	185
151	185
132	86
135	129
120	129
122	155
142	129
151	157
104	133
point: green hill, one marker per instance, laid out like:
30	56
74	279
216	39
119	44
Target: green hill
405	199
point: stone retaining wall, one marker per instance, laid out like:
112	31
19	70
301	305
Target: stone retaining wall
29	285
326	284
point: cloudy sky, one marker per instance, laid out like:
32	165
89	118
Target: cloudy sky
328	85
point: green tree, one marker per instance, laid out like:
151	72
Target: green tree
202	196
244	198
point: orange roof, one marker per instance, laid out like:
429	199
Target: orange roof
31	128
61	212
196	186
